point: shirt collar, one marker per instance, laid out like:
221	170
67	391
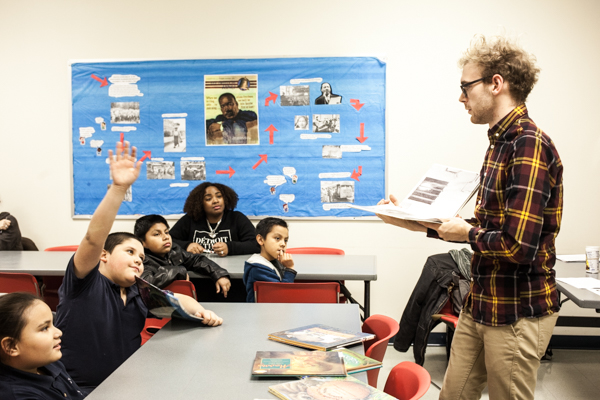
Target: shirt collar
502	126
47	380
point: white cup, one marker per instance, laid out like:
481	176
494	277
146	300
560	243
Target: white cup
592	254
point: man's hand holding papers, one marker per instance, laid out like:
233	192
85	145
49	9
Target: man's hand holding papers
402	223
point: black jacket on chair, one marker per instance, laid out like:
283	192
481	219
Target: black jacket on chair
429	296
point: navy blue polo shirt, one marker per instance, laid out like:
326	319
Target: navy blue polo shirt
55	384
99	331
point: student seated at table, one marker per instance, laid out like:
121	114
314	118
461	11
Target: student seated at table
273	264
166	261
100	311
30	350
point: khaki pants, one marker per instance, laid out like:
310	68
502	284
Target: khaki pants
505	357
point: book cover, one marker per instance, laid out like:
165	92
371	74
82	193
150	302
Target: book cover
327	388
441	193
355	362
298	363
162	303
319	337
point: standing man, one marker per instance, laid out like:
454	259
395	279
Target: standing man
512	307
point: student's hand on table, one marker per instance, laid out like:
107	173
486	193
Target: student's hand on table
451	229
195	248
4	224
402	223
221	249
210	318
123	167
223	284
285	259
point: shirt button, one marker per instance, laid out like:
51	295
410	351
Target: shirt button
485	174
497	134
479	202
472	280
492	146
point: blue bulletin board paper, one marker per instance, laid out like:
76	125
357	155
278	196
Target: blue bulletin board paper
294	137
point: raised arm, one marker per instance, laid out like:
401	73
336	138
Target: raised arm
124	171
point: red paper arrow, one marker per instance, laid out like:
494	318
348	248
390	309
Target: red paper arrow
263	157
362	136
103	82
355	175
273	97
147	154
271	129
230	171
122	137
356	104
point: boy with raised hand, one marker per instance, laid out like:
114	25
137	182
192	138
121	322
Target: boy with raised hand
100	311
166	261
273	264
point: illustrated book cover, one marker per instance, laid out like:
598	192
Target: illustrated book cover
298	363
327	388
320	337
441	193
355	362
162	303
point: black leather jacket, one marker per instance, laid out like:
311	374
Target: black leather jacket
428	297
162	271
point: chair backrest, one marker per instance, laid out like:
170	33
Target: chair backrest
315	250
63	248
407	381
18	282
183	287
280	292
384	328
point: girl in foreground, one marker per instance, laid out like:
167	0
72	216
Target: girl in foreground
30	350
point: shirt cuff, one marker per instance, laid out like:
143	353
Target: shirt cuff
474	234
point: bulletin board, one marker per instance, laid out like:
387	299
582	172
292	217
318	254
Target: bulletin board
294	137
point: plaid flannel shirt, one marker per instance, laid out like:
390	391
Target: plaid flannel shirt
517	217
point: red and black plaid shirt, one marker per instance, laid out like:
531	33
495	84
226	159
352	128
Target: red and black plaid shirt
517	218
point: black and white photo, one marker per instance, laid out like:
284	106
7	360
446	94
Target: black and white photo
326	123
174	135
337	192
301	122
193	170
160	170
125	112
330	151
294	95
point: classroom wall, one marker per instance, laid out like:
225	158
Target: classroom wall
420	41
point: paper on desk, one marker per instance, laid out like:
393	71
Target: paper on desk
595	291
571	257
581	283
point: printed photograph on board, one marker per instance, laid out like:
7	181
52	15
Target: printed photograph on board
193	170
294	95
301	122
174	134
337	192
160	170
125	112
326	123
231	109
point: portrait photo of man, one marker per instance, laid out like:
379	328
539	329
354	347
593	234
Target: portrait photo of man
327	97
234	125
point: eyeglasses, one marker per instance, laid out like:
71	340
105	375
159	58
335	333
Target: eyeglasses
464	86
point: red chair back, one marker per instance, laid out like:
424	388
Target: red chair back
384	328
279	292
72	248
315	250
152	325
18	282
407	381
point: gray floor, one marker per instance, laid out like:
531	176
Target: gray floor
572	374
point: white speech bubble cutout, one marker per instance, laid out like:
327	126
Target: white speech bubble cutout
99	120
96	143
287	198
86	132
289	171
275	180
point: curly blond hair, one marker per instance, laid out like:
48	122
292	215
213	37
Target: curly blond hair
500	55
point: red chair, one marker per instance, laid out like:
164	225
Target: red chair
279	292
11	282
152	325
407	381
384	328
72	248
52	283
319	250
448	316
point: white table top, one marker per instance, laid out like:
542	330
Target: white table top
187	361
582	297
309	266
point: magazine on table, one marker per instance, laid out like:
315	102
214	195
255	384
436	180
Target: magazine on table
355	362
327	388
298	363
441	193
320	337
162	303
